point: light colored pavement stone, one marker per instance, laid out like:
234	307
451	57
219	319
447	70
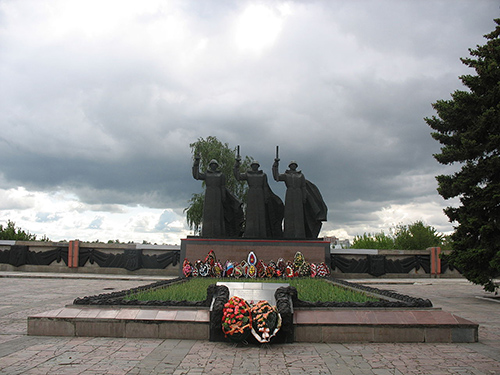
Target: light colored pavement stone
31	294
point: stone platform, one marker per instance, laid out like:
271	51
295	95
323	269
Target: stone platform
329	325
165	323
347	326
311	325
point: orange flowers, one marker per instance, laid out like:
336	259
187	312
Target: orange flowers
266	321
239	319
236	319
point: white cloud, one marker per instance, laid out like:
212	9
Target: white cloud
258	27
16	199
62	216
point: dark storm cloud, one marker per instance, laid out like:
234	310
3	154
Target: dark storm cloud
343	89
129	181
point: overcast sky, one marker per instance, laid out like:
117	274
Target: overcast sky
99	101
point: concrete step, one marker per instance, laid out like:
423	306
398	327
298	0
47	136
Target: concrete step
310	325
391	325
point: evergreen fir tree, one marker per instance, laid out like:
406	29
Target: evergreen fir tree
468	128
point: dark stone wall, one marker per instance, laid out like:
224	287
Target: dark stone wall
124	257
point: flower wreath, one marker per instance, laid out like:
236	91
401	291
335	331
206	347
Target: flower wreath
236	319
254	268
266	321
187	269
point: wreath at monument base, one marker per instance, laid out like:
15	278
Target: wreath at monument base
253	268
266	321
239	319
236	319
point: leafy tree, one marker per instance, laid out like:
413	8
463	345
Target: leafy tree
380	241
468	128
208	149
416	236
10	232
446	244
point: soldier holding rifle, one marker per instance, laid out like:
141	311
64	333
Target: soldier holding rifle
304	206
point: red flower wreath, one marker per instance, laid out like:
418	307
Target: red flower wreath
236	319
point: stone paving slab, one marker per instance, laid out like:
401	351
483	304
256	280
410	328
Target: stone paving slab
80	276
22	354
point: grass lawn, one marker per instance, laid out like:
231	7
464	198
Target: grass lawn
308	289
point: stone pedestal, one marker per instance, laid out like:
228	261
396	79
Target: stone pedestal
236	250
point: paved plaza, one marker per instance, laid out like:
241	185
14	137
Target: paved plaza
23	294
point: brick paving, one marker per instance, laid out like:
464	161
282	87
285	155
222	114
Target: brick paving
28	295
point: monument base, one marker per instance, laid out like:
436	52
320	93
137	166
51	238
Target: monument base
236	250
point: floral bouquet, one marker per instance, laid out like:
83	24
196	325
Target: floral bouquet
238	271
195	268
218	269
266	321
210	258
271	269
298	261
261	269
205	270
228	269
314	270
281	267
322	270
289	272
187	268
305	270
236	319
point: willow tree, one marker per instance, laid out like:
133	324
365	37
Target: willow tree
468	128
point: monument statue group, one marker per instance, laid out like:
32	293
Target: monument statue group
300	217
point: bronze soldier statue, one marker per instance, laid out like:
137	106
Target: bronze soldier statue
222	211
264	209
304	206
